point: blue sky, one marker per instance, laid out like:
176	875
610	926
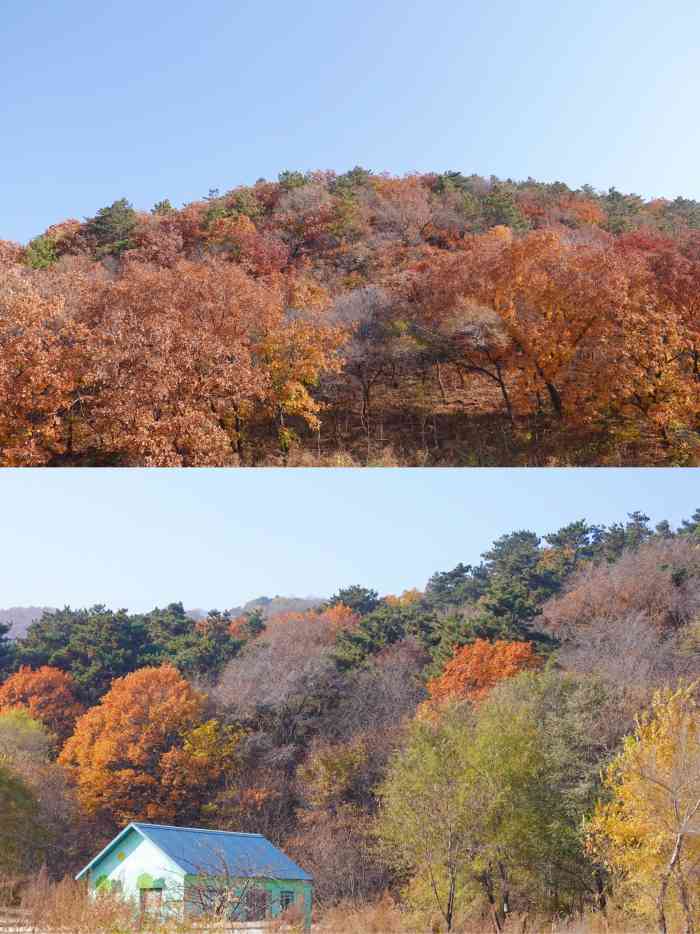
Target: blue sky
153	99
216	538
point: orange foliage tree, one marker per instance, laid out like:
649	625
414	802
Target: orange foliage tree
164	364
653	382
10	253
211	334
42	353
476	668
548	318
173	360
558	305
143	752
258	253
47	693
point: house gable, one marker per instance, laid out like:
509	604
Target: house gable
132	863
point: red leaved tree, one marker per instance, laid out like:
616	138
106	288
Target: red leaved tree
475	669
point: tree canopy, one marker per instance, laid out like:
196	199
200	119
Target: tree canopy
357	318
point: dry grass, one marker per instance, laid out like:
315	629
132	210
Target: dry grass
64	904
63	907
384	917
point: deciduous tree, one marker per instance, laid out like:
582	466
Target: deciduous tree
476	668
649	830
143	752
42	366
48	694
19	833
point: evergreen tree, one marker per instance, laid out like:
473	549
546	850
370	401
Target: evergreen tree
611	541
41	253
111	227
499	208
388	624
463	584
289	179
194	647
575	541
163	208
7	650
95	645
691	526
360	600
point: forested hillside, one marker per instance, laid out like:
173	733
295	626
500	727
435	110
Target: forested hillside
357	318
19	618
475	748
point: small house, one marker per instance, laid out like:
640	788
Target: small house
186	872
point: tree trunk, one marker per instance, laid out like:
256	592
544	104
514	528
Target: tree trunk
504	393
443	394
555	399
282	437
449	914
366	415
661	899
601	900
685	901
238	427
505	893
487	884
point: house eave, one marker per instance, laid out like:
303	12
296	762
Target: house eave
110	845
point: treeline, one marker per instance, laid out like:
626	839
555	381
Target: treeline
357	319
478	749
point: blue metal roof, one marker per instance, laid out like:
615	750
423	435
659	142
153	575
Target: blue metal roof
220	851
217	852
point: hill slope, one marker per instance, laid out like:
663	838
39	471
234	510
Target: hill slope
359	319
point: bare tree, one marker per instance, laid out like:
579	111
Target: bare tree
216	890
634	622
659	580
381	695
373	351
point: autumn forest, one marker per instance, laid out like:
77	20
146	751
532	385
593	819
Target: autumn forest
540	707
357	319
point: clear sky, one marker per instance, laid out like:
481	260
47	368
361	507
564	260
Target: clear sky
150	99
216	538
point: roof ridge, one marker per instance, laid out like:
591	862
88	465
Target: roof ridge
228	833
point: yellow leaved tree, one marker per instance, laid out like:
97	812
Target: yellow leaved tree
648	831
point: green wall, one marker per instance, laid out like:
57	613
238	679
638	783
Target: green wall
303	895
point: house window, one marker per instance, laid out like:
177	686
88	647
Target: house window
256	903
286	899
151	900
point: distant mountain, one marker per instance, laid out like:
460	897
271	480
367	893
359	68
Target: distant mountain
21	617
270	606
